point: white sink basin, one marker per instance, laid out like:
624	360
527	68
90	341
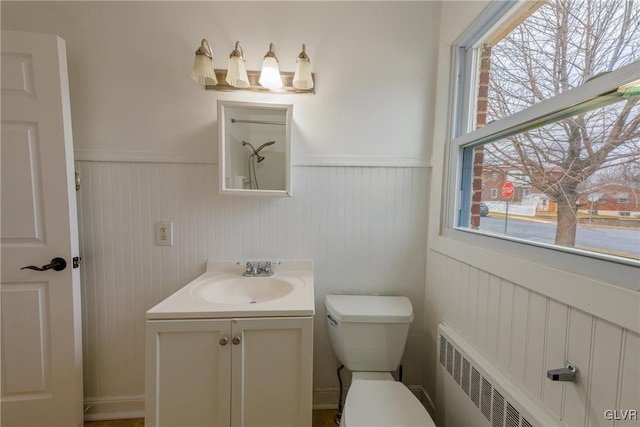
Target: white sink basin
247	290
223	292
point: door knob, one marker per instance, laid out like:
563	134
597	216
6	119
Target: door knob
223	341
57	264
235	340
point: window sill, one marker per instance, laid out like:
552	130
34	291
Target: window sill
602	288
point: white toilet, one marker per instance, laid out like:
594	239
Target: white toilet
368	335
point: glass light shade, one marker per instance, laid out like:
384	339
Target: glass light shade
302	78
270	74
203	71
237	72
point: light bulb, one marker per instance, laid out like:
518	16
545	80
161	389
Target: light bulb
270	74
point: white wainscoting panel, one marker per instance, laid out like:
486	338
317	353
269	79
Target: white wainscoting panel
525	333
363	227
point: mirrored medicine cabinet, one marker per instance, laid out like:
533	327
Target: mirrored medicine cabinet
254	148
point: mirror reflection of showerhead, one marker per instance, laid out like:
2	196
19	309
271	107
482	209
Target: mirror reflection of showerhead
256	152
249	144
266	144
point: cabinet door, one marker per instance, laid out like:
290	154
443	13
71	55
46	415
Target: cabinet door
272	372
188	373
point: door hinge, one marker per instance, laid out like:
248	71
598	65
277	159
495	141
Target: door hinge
76	261
77	181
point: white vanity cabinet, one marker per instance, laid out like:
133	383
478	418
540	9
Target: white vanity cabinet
240	372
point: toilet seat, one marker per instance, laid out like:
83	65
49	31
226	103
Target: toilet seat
376	403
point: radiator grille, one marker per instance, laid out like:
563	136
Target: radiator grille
485	398
491	402
513	416
465	375
497	414
456	367
475	387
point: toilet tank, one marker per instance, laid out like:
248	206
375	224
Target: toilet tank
368	333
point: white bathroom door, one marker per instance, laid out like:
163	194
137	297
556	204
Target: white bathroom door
40	310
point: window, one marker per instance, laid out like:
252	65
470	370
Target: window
550	102
623	198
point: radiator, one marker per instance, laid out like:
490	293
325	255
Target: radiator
473	392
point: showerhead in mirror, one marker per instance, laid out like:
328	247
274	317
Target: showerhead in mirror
256	151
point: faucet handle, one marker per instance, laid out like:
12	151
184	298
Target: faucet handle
248	265
269	264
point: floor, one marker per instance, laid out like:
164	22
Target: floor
321	418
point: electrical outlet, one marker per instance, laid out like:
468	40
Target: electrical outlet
164	233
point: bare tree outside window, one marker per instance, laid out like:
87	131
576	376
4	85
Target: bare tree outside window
562	45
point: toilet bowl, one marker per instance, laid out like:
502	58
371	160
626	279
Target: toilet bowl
382	402
368	335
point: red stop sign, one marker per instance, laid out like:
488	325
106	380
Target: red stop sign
507	190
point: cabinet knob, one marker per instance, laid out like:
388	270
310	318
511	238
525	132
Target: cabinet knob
236	340
223	341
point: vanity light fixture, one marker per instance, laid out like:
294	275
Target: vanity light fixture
237	77
270	74
237	73
203	71
302	78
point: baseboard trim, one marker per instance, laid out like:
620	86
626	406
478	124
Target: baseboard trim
114	408
127	407
326	406
427	402
327	397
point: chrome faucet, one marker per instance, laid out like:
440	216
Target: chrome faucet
258	269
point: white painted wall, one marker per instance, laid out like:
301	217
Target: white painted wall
130	65
525	317
146	137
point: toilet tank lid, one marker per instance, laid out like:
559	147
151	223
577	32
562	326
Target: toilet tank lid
369	308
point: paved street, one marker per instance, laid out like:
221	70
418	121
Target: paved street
610	239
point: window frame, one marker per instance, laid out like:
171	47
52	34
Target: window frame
612	269
622	198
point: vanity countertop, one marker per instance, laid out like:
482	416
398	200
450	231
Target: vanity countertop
220	293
